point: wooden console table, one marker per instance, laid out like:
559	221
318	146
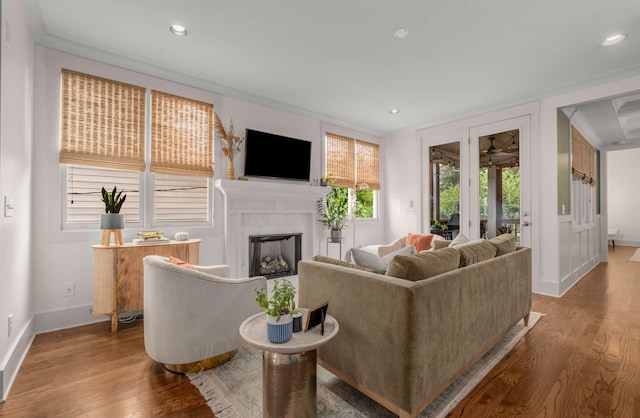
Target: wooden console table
118	283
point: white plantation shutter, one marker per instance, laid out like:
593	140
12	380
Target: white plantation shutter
180	199
84	200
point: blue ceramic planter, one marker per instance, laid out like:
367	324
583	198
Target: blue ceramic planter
281	331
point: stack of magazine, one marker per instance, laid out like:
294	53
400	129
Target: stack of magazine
150	237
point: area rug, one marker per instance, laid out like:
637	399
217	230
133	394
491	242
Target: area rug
235	388
636	256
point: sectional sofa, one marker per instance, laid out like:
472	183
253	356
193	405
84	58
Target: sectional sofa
407	334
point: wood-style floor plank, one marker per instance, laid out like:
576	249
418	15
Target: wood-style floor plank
582	359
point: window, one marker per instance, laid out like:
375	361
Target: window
355	165
104	142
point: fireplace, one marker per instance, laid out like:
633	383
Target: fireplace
274	255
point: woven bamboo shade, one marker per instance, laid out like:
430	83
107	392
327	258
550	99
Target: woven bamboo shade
583	158
368	165
181	135
340	160
103	122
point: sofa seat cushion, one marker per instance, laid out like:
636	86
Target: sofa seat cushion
505	244
475	252
378	264
424	265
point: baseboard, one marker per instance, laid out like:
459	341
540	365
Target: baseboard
627	243
65	318
17	353
570	280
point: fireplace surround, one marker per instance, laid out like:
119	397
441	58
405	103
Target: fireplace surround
267	208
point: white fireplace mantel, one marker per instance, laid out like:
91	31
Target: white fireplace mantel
260	207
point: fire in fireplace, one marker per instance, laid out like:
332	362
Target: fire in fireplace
274	255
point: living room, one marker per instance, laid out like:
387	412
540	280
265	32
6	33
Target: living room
39	257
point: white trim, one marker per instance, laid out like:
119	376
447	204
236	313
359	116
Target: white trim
14	359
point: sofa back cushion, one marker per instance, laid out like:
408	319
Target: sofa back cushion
424	265
505	243
440	244
329	260
475	252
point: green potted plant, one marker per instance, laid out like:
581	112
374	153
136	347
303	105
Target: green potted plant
112	219
438	227
334	211
279	308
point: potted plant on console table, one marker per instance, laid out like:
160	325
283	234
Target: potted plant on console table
279	309
112	220
334	210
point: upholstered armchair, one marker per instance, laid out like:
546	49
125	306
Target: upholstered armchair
192	317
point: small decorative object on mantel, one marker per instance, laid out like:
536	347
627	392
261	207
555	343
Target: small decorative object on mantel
231	143
112	221
324	180
279	309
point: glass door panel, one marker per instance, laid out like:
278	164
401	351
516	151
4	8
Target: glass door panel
444	189
499	157
500	196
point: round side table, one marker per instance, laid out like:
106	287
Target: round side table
288	369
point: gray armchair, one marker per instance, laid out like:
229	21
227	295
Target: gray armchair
192	317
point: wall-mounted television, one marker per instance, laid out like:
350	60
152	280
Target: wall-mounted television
276	156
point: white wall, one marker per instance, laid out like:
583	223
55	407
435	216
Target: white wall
16	100
623	173
403	197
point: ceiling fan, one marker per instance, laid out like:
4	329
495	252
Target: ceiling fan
492	150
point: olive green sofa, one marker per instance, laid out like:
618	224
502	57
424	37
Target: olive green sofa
402	341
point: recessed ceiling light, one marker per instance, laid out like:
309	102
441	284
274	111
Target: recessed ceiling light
614	39
178	30
394	111
401	33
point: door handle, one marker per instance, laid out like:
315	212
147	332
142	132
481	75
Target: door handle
525	223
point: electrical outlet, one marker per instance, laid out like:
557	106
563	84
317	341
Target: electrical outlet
10	324
69	289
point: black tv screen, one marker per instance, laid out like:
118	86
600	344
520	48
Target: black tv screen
276	156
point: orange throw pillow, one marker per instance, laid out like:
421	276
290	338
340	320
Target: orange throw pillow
181	263
421	242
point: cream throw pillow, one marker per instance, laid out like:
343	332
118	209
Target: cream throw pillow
459	239
379	265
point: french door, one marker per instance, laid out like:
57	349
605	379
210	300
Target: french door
498	180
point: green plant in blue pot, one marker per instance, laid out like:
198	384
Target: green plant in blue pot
279	307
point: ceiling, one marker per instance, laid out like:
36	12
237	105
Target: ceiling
339	62
616	122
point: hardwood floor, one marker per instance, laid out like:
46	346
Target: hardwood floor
582	359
